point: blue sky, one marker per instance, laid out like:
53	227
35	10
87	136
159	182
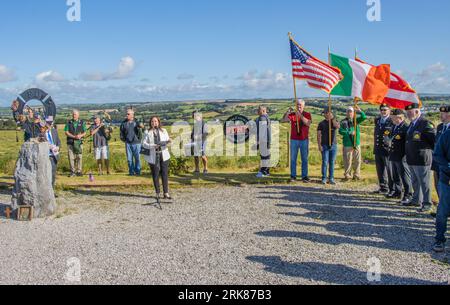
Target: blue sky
144	50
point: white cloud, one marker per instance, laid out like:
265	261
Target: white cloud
49	76
6	74
433	79
125	69
265	81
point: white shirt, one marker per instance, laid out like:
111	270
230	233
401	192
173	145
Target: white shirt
149	143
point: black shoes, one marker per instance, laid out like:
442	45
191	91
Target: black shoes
394	195
439	247
306	180
382	192
167	197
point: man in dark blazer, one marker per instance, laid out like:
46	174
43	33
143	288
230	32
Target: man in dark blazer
441	129
397	155
383	130
420	142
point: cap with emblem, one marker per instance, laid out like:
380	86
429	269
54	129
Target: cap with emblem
412	106
384	107
398	112
444	109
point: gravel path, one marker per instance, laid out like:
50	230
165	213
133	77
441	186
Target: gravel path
223	235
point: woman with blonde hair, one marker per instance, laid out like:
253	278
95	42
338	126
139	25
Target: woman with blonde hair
156	153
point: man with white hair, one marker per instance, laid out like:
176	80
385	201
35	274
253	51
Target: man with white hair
420	141
75	131
300	123
351	135
131	133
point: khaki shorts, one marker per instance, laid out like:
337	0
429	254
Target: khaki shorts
102	153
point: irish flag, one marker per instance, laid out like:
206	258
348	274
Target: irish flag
361	80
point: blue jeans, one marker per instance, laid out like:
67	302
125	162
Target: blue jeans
134	158
328	161
303	147
443	212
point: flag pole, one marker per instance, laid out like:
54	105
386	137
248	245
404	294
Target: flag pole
295	90
329	100
356	105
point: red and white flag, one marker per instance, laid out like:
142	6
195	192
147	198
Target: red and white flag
400	94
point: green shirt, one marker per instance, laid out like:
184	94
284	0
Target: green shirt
347	129
75	125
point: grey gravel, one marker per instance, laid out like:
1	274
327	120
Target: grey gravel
276	234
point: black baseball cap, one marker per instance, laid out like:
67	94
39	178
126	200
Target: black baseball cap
384	106
326	110
444	109
398	112
412	106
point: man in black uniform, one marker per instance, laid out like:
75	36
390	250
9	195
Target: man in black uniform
400	171
420	141
441	129
383	129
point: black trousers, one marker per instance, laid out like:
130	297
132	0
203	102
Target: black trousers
160	168
384	172
402	178
54	164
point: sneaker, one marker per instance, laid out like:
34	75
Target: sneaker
406	200
425	209
439	247
293	179
332	182
306	180
71	175
167	196
79	175
205	172
324	182
259	175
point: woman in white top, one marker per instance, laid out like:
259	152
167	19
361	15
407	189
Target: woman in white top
157	141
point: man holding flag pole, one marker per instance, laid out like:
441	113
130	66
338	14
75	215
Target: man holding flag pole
362	82
318	75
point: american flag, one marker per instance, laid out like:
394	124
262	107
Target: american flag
317	74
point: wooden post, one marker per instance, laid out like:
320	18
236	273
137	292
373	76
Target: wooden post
329	103
356	105
355	121
295	89
288	136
